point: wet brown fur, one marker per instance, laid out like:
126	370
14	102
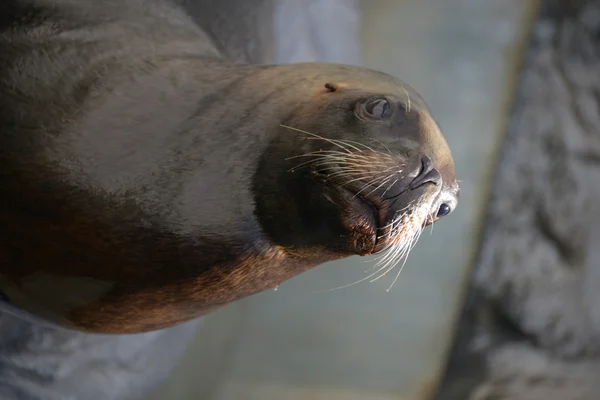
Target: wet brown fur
145	177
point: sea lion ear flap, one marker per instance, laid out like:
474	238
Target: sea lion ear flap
331	87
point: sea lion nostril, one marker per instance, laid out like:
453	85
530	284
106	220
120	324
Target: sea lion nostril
428	174
443	210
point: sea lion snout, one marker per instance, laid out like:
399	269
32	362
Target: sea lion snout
375	191
448	193
428	174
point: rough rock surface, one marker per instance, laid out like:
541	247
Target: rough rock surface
540	261
531	328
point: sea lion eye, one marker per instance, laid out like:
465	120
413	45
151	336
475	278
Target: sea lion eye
376	108
379	108
443	210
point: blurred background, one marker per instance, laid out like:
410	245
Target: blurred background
306	341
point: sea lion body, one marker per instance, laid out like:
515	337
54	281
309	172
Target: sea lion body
148	153
150	174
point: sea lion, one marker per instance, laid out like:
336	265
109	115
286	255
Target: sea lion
151	171
146	179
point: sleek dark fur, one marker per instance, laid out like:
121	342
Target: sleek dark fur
149	176
146	178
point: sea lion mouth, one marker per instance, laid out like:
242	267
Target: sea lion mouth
372	222
379	211
389	225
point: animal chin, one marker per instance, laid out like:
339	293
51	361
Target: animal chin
371	212
361	219
364	215
405	221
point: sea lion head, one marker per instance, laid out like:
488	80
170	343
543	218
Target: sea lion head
359	168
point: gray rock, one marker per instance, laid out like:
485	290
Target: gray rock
531	327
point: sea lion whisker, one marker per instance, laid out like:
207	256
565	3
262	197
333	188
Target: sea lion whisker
367	185
352	143
397	255
399	249
318	161
356	168
350	155
389	187
392	257
342	160
432	224
335	170
350	171
315	158
327	153
382	183
396	220
395	197
389	168
361	144
339	162
339	141
394	253
337	158
354	283
352	177
415	240
349	174
383	144
390	231
301	165
400	214
394	264
380	172
391	251
407	99
332	141
386	269
360	178
373	181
